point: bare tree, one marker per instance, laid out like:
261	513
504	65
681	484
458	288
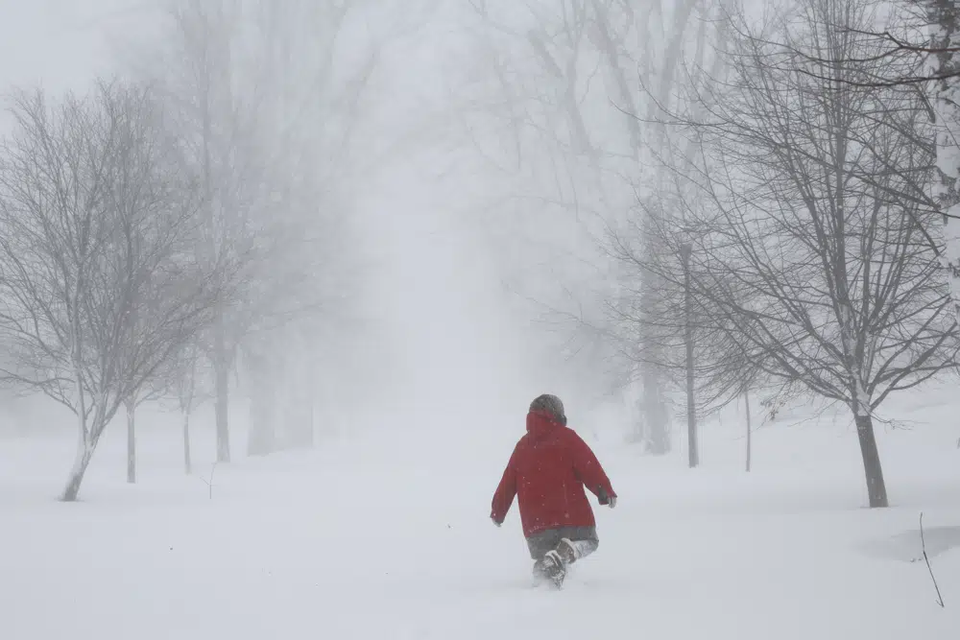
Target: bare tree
698	347
187	396
181	377
813	241
215	126
944	19
185	382
920	48
569	84
270	103
98	285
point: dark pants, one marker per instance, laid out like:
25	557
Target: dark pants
541	543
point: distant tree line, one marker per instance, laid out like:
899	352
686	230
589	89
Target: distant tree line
185	224
790	179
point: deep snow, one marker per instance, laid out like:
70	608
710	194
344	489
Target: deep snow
383	533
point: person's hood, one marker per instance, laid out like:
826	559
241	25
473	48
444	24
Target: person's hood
540	424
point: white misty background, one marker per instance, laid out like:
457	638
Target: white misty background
280	278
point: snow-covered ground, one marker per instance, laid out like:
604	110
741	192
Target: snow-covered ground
383	533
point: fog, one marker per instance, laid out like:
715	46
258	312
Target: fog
388	312
437	320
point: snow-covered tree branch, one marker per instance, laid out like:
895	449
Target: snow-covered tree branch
811	240
98	229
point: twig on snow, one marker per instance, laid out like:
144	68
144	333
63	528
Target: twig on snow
209	482
923	544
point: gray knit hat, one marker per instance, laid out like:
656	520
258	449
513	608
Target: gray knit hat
552	405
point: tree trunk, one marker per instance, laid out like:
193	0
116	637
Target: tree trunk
81	460
299	410
693	452
131	442
876	488
944	18
655	417
311	434
221	366
746	402
262	436
300	423
85	443
656	423
187	464
221	361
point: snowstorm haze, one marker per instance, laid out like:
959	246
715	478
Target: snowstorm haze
439	288
479	319
438	318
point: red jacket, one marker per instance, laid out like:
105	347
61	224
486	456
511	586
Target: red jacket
547	472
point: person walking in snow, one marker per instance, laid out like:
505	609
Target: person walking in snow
547	473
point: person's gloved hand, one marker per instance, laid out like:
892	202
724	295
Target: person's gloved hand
606	499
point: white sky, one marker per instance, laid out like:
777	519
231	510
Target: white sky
437	284
55	43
